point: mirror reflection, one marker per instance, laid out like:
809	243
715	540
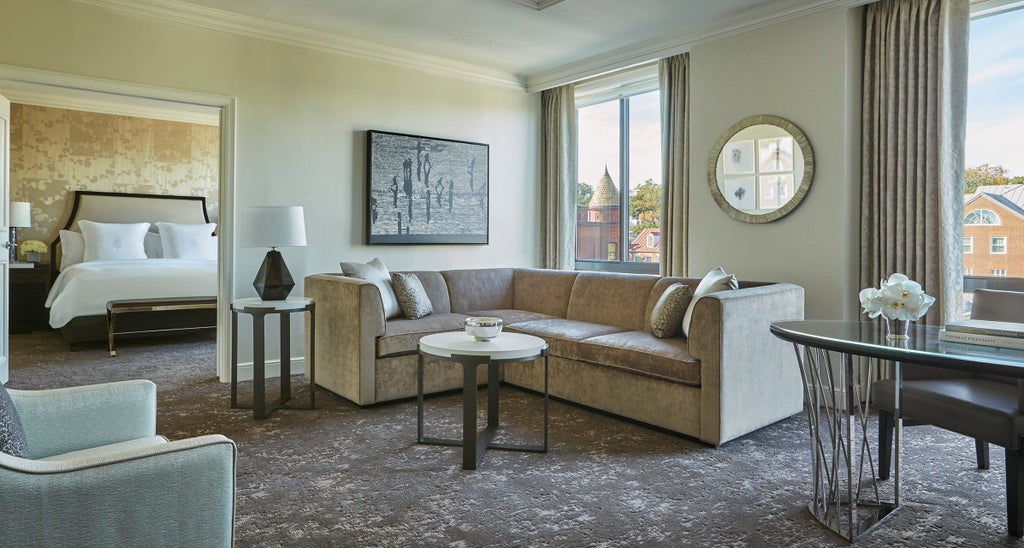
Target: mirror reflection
760	169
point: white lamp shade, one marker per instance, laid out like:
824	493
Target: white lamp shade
21	214
272	226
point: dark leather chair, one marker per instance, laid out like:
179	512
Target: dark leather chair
987	408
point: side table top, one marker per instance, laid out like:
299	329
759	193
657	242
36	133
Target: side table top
290	304
506	346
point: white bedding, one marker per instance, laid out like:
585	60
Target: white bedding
85	288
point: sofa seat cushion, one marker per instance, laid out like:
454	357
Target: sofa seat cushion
563	336
510	315
642	352
402	336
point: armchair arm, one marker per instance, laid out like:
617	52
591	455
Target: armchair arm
749	377
179	493
68	419
349	318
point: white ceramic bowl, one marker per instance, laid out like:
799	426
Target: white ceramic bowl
483	329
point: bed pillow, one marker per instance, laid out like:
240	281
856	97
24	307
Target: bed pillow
713	282
412	297
376	273
188	241
12	433
153	246
72	248
667	314
113	241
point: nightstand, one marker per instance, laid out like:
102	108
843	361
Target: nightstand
28	291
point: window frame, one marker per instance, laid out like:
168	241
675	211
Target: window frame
992	245
997	272
981	212
620	86
968	245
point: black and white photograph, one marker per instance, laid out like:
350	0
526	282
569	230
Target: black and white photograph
426	190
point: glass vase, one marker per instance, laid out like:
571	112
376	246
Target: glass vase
896	330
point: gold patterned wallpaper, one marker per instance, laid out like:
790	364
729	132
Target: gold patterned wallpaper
57	151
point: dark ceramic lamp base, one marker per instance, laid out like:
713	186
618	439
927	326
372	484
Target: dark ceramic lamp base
273	281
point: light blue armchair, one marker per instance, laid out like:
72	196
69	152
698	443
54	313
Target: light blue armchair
97	475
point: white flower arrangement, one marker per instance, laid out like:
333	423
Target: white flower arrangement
32	246
898	298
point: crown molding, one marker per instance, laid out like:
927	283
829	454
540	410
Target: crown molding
666	46
537	4
224	21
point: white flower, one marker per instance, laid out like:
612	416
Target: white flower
898	298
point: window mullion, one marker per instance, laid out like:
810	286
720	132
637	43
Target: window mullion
624	179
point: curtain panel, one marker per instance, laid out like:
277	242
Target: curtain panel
674	77
558	178
913	124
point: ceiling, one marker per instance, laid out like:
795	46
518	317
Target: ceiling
527	43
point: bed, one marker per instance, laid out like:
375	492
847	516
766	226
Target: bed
81	289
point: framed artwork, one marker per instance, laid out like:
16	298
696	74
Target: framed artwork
740	193
768	192
775	154
426	190
738	158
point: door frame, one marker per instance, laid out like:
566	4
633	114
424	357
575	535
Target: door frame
227	106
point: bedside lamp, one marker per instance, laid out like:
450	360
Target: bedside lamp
273	227
21	217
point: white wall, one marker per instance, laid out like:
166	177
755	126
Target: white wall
300	132
807	71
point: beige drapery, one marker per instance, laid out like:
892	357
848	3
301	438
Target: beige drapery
674	77
913	124
558	178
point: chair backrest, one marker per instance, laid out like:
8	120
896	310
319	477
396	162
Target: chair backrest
998	306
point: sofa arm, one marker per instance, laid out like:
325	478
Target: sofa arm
179	493
68	419
349	318
749	377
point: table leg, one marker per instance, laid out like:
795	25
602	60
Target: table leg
234	359
111	318
311	359
492	394
469	449
286	357
419	399
545	402
259	374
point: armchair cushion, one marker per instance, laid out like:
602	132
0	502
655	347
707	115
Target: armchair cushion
12	434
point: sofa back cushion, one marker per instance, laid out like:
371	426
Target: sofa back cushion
437	290
479	289
612	299
543	291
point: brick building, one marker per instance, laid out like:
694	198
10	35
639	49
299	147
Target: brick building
994	231
597	224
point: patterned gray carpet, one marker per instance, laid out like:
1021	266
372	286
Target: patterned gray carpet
344	476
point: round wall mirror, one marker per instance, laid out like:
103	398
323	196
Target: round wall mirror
760	169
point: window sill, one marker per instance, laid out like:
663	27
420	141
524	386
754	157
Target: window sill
628	267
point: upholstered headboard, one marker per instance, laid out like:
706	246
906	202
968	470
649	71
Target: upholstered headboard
115	207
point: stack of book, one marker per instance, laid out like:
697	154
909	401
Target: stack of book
986	333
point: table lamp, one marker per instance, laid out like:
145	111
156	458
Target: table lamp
273	227
21	217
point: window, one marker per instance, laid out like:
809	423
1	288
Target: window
967	272
968	244
618	206
981	217
998	244
997	272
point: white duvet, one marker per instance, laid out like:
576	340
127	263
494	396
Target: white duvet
85	288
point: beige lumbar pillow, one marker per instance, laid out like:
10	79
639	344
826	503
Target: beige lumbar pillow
412	297
715	281
668	312
376	273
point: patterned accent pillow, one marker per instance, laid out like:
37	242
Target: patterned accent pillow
667	314
412	298
12	434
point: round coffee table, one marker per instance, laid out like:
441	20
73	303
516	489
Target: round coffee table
458	346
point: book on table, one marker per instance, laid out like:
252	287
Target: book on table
950	347
988	327
981	339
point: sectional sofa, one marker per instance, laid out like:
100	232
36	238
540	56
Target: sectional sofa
728	378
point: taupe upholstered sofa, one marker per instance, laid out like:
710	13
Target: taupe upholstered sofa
730	377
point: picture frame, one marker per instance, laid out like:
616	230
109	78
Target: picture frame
426	190
738	158
740	193
775	154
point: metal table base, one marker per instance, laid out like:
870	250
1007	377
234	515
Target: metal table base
475	443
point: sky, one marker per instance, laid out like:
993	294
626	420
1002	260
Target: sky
995	92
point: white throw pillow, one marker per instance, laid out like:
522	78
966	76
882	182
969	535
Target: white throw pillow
113	241
72	248
188	241
376	273
154	247
715	281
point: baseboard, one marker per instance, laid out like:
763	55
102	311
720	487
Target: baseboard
273	369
